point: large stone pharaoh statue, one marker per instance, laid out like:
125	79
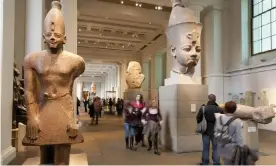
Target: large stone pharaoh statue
49	77
183	34
134	76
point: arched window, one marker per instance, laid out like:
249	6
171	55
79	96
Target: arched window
263	26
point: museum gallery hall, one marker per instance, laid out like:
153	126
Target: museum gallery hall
138	82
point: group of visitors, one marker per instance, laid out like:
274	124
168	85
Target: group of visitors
142	120
112	104
224	131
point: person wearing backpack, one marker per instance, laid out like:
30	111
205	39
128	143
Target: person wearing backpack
206	114
228	133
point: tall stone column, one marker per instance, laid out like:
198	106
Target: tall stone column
35	13
123	78
70	13
245	26
213	52
19	42
153	90
7	24
118	68
79	90
102	89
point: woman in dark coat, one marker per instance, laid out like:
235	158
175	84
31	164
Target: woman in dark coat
139	107
129	126
152	121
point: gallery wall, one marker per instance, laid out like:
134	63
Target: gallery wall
254	75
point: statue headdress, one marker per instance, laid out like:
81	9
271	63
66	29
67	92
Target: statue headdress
182	17
54	19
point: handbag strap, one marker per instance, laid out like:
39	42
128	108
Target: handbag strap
203	109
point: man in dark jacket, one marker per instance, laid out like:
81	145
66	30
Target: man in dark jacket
209	112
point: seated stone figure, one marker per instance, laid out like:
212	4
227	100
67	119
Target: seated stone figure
262	114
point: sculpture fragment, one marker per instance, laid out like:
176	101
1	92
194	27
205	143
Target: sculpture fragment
134	76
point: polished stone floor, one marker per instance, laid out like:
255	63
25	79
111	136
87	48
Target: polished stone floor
104	145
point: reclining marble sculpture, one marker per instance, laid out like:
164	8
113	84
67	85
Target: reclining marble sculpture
49	77
262	114
184	34
134	76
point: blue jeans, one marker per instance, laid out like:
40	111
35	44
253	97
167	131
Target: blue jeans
129	131
205	153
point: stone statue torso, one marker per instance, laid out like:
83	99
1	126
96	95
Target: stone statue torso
55	75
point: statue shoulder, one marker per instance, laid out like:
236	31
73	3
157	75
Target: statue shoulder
78	59
31	58
79	63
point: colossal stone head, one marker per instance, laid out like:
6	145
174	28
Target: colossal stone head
183	34
93	87
54	35
134	76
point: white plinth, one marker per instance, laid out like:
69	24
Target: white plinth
21	135
182	79
75	159
179	105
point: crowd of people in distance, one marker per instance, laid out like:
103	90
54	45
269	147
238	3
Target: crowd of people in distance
95	106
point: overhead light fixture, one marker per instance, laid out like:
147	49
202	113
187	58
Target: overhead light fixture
140	5
78	42
79	29
158	7
122	2
137	4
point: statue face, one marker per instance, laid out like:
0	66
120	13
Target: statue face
153	103
134	67
138	97
188	53
185	43
54	39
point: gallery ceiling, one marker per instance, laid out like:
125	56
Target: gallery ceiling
115	31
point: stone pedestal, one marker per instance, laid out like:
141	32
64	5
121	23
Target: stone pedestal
179	105
21	135
130	94
75	159
250	134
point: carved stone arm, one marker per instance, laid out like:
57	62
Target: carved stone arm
31	89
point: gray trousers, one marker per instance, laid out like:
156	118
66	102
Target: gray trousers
227	161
